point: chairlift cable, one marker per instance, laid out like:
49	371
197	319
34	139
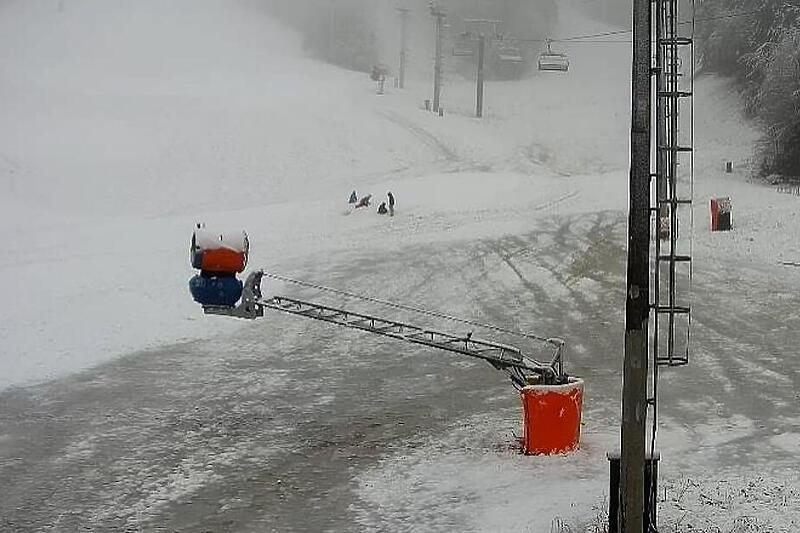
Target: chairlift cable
692	22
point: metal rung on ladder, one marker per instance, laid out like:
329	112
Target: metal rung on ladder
676	310
674	361
680	41
675	148
675	202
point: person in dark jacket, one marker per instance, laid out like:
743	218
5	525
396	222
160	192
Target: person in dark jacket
382	209
391	204
353	198
364	202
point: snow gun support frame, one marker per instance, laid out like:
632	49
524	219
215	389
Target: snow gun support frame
522	369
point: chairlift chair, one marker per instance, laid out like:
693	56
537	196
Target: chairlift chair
464	45
553	61
510	54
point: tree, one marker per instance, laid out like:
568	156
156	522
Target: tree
758	43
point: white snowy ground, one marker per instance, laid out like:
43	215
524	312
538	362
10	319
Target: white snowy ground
112	146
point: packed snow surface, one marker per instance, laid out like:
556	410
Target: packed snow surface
124	124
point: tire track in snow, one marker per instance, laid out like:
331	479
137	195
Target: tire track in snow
423	135
555	202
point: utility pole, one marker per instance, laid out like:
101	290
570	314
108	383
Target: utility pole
634	386
331	29
437	68
403	29
481	53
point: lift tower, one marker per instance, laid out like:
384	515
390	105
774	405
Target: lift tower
656	22
637	307
438	66
401	80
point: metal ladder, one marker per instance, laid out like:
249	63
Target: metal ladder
674	188
671	207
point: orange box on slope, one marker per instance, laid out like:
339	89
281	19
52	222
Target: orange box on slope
552	417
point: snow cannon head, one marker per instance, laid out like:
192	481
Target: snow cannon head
220	253
215	290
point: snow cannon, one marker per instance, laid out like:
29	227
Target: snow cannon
224	253
218	257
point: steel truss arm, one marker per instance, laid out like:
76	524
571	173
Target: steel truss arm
501	356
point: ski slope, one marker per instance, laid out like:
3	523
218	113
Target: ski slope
120	144
109	157
114	145
125	124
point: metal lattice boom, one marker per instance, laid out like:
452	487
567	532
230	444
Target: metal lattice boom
519	366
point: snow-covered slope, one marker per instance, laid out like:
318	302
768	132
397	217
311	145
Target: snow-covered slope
126	123
152	108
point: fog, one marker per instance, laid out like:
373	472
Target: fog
357	34
611	11
618	12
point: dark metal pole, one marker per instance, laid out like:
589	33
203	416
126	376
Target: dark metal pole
634	386
403	29
481	52
437	72
331	30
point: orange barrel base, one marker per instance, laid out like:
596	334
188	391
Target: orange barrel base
552	417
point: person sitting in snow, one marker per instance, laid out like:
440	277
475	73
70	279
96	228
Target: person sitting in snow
353	198
382	209
364	202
